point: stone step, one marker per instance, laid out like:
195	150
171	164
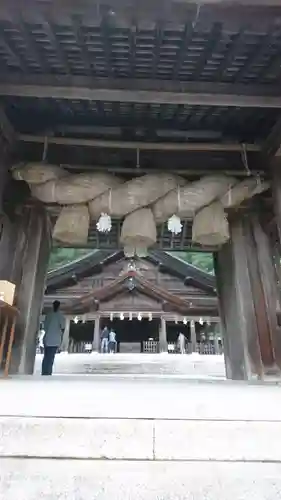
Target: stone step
153	398
140	439
87	480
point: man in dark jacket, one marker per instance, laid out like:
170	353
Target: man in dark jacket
54	326
104	340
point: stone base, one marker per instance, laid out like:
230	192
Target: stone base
129	347
272	371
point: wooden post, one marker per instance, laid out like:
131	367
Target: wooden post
163	345
8	243
236	304
10	345
193	338
96	339
276	257
5	176
65	339
3	338
276	192
265	287
29	272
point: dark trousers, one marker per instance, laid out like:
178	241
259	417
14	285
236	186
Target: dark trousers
112	346
48	360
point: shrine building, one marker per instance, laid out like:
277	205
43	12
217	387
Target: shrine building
147	302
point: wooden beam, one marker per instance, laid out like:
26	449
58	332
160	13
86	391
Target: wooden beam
6	128
251	3
272	144
238	40
12	54
78	34
48	27
257	15
37	54
72	4
142	91
148	146
192	173
214	41
186	39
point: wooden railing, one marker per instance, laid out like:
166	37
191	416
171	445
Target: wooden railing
152	346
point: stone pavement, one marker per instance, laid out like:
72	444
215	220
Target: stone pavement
133	435
88	480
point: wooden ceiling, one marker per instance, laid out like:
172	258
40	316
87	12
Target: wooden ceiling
140	72
136	86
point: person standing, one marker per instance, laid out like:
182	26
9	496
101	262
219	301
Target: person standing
54	326
41	340
181	343
104	340
112	341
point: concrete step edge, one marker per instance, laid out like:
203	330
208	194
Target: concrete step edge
140	439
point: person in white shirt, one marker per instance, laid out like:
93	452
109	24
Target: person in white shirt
41	340
112	341
181	343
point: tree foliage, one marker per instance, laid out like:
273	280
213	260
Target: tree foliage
62	256
203	260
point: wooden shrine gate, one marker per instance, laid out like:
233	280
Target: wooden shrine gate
132	89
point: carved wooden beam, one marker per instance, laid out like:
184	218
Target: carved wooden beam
142	91
148	146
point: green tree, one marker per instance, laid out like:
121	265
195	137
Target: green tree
202	260
62	256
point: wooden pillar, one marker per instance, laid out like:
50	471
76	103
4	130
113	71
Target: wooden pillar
236	303
28	273
65	339
5	175
276	192
8	201
193	338
96	340
266	295
163	345
276	253
254	247
8	243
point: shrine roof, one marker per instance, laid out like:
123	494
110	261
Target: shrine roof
93	264
130	281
